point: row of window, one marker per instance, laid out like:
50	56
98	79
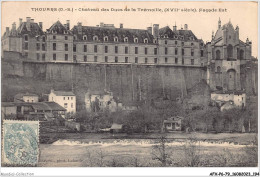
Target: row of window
66	105
116	60
64	98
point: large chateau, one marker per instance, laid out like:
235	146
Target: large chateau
222	58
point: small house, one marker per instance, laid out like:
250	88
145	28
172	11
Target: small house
172	124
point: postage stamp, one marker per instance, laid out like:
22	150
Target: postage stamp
20	143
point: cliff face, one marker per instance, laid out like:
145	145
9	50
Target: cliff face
127	82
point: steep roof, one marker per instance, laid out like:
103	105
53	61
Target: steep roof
219	32
178	34
63	93
121	33
58	28
43	106
33	31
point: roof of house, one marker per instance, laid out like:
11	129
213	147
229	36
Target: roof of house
63	93
20	96
173	119
111	33
116	126
43	106
178	34
8	104
58	28
33	31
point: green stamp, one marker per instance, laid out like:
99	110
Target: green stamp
20	143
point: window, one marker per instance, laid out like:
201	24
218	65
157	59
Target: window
95	58
116	49
219	69
136	59
201	53
241	54
165	42
85	38
54	46
182	43
26	46
230	51
26	37
43	47
38	56
166	60
176	42
146	60
192	44
68	98
176	51
136	40
71	98
192	61
95	48
106	49
126	59
155	51
126	39
116	59
183	61
85	60
192	52
145	40
95	38
71	105
26	54
75	58
105	38
116	39
106	59
66	47
155	60
43	57
66	37
136	50
54	56
176	60
43	39
54	37
85	48
66	57
182	51
65	105
166	50
38	46
145	51
126	50
63	98
217	55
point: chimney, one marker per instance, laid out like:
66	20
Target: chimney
80	28
175	28
68	25
20	21
121	25
150	30
40	24
101	24
32	20
65	25
28	23
14	26
185	27
156	30
219	23
7	31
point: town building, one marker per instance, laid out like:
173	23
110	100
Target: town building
66	99
172	124
26	97
237	98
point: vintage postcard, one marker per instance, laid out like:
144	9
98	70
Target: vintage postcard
130	84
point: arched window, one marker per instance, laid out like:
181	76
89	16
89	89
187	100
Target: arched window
145	40
116	39
241	54
126	39
85	37
136	40
230	51
105	38
218	69
95	38
217	55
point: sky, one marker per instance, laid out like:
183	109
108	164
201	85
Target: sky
202	23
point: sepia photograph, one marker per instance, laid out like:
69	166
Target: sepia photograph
129	84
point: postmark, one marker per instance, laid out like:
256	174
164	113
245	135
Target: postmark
20	143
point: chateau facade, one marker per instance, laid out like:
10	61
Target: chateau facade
106	44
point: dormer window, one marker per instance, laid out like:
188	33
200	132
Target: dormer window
115	39
175	37
145	40
105	38
136	40
182	37
192	44
85	37
192	38
65	32
95	38
155	41
75	37
126	39
166	36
